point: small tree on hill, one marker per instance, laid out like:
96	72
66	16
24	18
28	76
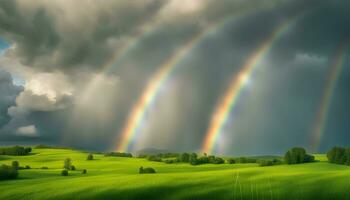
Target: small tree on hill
297	155
67	164
90	157
15	164
64	172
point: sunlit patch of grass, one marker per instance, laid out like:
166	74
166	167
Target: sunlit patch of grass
118	178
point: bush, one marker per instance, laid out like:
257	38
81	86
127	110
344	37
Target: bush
246	160
90	157
84	171
119	154
264	163
15	151
15	165
67	164
185	157
169	161
28	150
147	170
27	167
44	167
154	158
64	172
193	159
72	167
231	161
297	155
218	160
8	172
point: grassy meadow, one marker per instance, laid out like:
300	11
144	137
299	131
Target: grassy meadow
118	178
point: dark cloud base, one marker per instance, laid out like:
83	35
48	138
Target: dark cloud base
276	110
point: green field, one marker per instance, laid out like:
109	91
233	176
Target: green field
118	178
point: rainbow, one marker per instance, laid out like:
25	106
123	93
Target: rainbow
137	114
323	110
229	100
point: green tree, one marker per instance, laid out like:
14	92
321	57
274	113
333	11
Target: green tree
15	164
67	164
64	172
90	157
185	157
337	155
297	155
193	159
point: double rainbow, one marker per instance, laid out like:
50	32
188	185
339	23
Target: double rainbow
229	99
323	110
151	91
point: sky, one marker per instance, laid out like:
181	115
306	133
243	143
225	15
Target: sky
128	75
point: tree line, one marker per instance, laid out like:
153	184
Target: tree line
15	151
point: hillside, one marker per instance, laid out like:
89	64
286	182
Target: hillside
118	178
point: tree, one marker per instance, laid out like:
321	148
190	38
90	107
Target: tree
28	150
67	164
297	155
337	155
147	170
90	157
185	157
64	172
231	161
347	154
193	159
15	164
8	172
84	171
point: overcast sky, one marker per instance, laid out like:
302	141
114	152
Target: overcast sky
55	88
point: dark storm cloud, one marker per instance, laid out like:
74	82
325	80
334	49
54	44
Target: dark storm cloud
276	108
8	92
64	34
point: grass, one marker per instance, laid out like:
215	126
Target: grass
118	178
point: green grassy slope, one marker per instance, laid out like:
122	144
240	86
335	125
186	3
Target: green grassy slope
118	178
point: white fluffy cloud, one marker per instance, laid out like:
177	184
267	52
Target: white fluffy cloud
28	131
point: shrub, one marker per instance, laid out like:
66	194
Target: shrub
147	170
231	161
185	157
64	172
27	167
119	154
169	161
264	163
67	164
84	171
15	165
218	160
90	157
72	167
44	167
154	158
246	160
193	159
297	155
28	150
8	172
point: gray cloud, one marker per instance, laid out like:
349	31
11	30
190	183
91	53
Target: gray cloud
8	92
60	47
